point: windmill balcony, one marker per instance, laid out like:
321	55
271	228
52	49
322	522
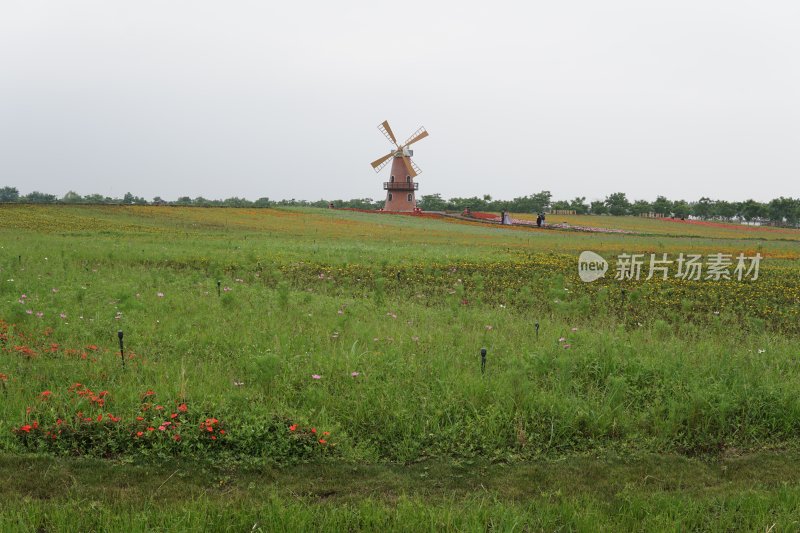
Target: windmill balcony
400	186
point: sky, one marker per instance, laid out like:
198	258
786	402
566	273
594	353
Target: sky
682	98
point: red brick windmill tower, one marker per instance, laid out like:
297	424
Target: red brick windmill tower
401	186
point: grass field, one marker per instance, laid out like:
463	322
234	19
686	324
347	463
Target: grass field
321	369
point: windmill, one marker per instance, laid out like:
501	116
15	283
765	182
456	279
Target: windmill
401	186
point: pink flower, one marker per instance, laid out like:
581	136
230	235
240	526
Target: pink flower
63	315
562	339
160	294
39	314
355	374
316	376
566	346
28	311
161	428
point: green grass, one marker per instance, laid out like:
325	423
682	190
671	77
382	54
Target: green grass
608	493
694	381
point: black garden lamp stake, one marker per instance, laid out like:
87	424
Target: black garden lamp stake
121	348
483	360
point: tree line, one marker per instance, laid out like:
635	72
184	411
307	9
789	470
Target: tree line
784	211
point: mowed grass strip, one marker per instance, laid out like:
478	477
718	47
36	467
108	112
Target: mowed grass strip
586	493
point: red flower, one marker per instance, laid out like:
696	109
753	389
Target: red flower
151	428
177	438
323	441
45	394
139	433
174	415
313	430
213	437
221	431
26	428
100	417
292	427
182	408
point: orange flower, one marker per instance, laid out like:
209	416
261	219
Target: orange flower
323	441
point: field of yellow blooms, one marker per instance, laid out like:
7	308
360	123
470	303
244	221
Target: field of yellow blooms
286	340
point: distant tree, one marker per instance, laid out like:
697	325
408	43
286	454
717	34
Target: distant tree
262	202
579	205
752	210
662	206
9	194
183	200
680	208
641	207
37	197
432	202
72	198
617	203
783	210
540	201
724	209
598	207
201	202
703	208
158	200
559	205
236	202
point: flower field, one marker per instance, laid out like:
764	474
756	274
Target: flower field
290	339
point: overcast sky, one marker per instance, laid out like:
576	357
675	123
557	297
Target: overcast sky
685	98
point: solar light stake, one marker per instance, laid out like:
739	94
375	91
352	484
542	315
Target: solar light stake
121	349
219	283
483	360
537	331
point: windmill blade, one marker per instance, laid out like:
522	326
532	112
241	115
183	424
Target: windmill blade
415	167
381	162
387	131
409	166
418	135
